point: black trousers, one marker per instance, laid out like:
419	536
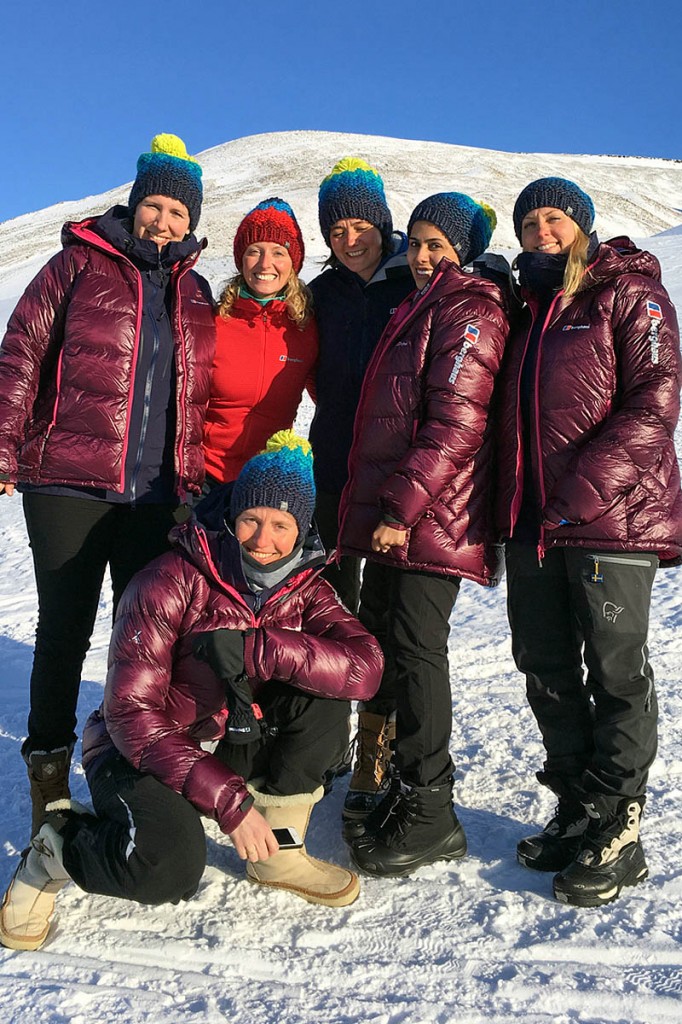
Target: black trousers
409	613
148	843
344	577
579	634
72	541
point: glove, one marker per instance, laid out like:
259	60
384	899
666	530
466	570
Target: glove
223	649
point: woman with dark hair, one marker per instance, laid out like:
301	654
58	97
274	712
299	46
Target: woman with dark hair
590	505
266	341
418	504
366	280
104	378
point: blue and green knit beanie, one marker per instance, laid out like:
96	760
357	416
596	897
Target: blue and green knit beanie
353	189
281	477
558	194
468	225
169	170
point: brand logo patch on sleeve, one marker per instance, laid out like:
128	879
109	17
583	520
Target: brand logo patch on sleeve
654	310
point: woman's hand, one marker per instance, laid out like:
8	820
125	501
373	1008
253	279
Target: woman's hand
386	537
254	839
6	488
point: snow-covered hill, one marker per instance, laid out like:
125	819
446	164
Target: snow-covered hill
477	941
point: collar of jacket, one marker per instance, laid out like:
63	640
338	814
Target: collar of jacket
184	253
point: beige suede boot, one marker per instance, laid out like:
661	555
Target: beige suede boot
28	905
316	881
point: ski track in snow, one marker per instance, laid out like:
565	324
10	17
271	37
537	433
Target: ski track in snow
477	940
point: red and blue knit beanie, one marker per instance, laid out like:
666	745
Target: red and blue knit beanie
169	170
272	220
468	225
557	194
280	477
353	189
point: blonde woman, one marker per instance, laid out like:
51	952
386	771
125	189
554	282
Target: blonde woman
266	347
589	502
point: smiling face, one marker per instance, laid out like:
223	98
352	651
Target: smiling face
266	268
161	220
266	533
425	249
547	230
357	244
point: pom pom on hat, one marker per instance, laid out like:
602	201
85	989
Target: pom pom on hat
272	220
280	477
467	224
353	189
168	170
559	194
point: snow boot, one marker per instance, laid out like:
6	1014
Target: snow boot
610	856
316	881
419	827
48	775
374	738
28	904
355	827
554	848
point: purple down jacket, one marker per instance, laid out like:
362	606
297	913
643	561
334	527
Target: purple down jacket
607	399
160	703
422	447
67	365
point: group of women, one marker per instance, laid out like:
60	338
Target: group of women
464	417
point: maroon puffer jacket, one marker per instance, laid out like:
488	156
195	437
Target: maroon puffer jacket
607	401
422	446
160	703
67	364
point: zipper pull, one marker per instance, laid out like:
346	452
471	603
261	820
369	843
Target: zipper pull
596	576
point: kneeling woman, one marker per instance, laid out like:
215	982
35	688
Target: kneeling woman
590	503
418	501
220	621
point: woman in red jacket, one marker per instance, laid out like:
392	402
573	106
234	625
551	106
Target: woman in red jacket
223	620
104	379
589	501
418	505
266	347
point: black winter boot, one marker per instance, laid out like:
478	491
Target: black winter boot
48	775
419	827
554	848
610	856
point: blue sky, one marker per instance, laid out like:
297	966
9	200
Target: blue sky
84	86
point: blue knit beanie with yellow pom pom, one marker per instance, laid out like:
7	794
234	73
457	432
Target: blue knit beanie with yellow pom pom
168	170
353	189
280	477
468	225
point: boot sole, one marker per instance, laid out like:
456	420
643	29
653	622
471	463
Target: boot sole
343	898
436	853
636	876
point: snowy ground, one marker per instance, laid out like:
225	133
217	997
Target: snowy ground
479	940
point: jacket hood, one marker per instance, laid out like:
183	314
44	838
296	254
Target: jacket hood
449	279
621	256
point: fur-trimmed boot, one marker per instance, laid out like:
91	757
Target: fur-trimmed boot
374	739
554	848
610	856
28	904
420	827
48	775
316	881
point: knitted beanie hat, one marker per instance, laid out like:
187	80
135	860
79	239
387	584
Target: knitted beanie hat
272	220
353	189
281	477
467	225
168	170
559	194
